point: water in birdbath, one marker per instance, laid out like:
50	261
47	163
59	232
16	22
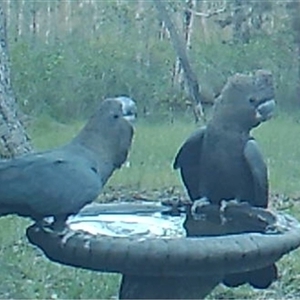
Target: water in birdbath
147	219
139	222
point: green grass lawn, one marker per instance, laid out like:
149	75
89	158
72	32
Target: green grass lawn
26	273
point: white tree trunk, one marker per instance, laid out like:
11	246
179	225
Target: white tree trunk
68	11
48	22
138	17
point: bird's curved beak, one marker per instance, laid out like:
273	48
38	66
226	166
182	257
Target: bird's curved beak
129	116
265	110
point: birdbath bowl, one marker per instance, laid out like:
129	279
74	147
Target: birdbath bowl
152	252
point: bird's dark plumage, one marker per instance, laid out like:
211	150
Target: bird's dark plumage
61	181
222	161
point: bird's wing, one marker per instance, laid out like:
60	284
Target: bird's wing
259	172
188	161
49	183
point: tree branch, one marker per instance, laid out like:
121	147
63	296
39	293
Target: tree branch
179	46
207	14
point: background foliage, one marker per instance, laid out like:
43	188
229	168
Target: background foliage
66	55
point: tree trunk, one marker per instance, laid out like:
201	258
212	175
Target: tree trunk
189	22
47	26
68	10
8	12
179	46
139	18
203	6
294	11
96	16
296	26
238	19
13	138
178	76
34	25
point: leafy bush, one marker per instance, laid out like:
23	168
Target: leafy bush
67	76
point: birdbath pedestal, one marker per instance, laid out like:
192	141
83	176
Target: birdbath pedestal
153	254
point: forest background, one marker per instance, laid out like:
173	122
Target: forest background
66	55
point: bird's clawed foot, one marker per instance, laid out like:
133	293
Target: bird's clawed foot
234	203
57	227
199	208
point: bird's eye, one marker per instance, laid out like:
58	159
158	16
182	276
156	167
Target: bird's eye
116	116
94	170
252	100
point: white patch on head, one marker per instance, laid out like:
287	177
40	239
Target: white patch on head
129	108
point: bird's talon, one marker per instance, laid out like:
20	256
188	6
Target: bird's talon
227	203
47	229
198	204
67	235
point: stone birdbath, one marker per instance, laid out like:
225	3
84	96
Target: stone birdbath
150	248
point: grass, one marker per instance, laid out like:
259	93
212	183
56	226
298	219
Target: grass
26	273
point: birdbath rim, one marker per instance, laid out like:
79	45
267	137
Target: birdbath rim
179	256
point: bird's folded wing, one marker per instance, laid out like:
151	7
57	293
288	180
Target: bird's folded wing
259	172
53	181
189	150
188	160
